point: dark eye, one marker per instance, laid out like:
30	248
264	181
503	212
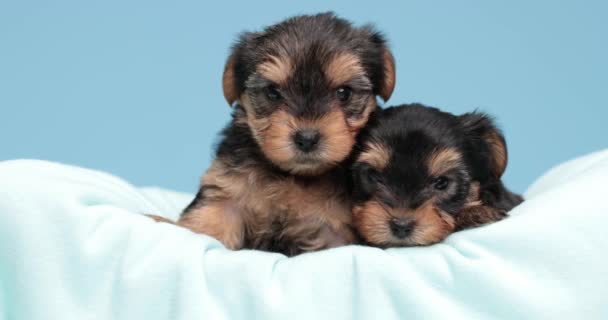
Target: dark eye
273	93
441	183
343	93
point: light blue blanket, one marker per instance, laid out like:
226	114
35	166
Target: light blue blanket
73	245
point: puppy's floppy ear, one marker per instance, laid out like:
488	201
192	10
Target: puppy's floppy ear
486	142
229	81
388	84
383	65
238	67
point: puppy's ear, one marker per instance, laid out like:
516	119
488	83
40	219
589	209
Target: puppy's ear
487	144
238	67
383	70
389	75
229	81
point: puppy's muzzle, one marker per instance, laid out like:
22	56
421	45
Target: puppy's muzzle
307	140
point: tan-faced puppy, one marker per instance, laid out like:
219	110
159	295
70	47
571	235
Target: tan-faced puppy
423	174
301	90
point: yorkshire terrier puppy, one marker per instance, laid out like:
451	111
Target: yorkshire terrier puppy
302	90
423	174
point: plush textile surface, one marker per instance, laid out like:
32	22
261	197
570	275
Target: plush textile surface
73	245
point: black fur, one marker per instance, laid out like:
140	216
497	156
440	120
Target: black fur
412	132
318	38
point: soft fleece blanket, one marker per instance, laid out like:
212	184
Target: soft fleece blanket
74	245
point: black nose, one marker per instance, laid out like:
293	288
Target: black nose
401	228
307	139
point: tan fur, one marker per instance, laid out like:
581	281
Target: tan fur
431	224
371	221
389	76
160	219
257	126
220	220
346	66
474	216
443	160
357	124
376	155
246	200
473	196
338	136
342	68
276	142
228	85
276	69
275	139
499	153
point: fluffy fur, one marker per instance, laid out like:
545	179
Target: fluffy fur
301	91
423	174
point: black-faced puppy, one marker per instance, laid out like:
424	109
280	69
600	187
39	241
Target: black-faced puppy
301	90
423	174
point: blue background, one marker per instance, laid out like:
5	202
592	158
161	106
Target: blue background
133	88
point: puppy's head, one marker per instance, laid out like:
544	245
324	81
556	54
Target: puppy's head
307	86
417	169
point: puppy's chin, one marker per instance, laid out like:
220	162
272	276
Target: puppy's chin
303	164
307	168
372	221
424	237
